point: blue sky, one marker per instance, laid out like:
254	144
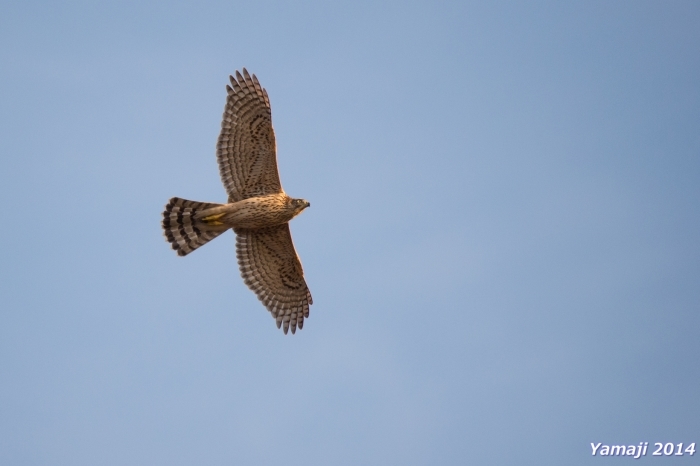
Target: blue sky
502	245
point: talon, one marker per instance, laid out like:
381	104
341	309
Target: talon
213	219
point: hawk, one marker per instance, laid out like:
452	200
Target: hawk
258	210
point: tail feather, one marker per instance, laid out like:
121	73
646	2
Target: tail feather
182	230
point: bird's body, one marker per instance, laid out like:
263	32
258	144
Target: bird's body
258	209
254	212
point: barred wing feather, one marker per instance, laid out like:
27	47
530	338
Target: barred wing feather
246	149
271	268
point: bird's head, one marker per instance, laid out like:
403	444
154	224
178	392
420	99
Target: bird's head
299	205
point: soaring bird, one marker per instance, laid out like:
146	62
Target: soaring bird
258	209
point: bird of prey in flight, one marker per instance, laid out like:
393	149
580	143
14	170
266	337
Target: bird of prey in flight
258	209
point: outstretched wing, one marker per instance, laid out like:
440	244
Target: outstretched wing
246	147
271	268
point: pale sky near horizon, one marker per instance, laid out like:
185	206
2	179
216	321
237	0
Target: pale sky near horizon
502	243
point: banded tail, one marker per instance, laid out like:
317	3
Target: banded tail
181	227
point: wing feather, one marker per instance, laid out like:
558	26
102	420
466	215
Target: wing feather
246	149
272	270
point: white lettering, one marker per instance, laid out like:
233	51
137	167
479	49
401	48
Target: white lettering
639	451
617	450
595	448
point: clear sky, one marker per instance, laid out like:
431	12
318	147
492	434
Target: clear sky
502	243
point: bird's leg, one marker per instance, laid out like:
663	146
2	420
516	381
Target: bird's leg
214	220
